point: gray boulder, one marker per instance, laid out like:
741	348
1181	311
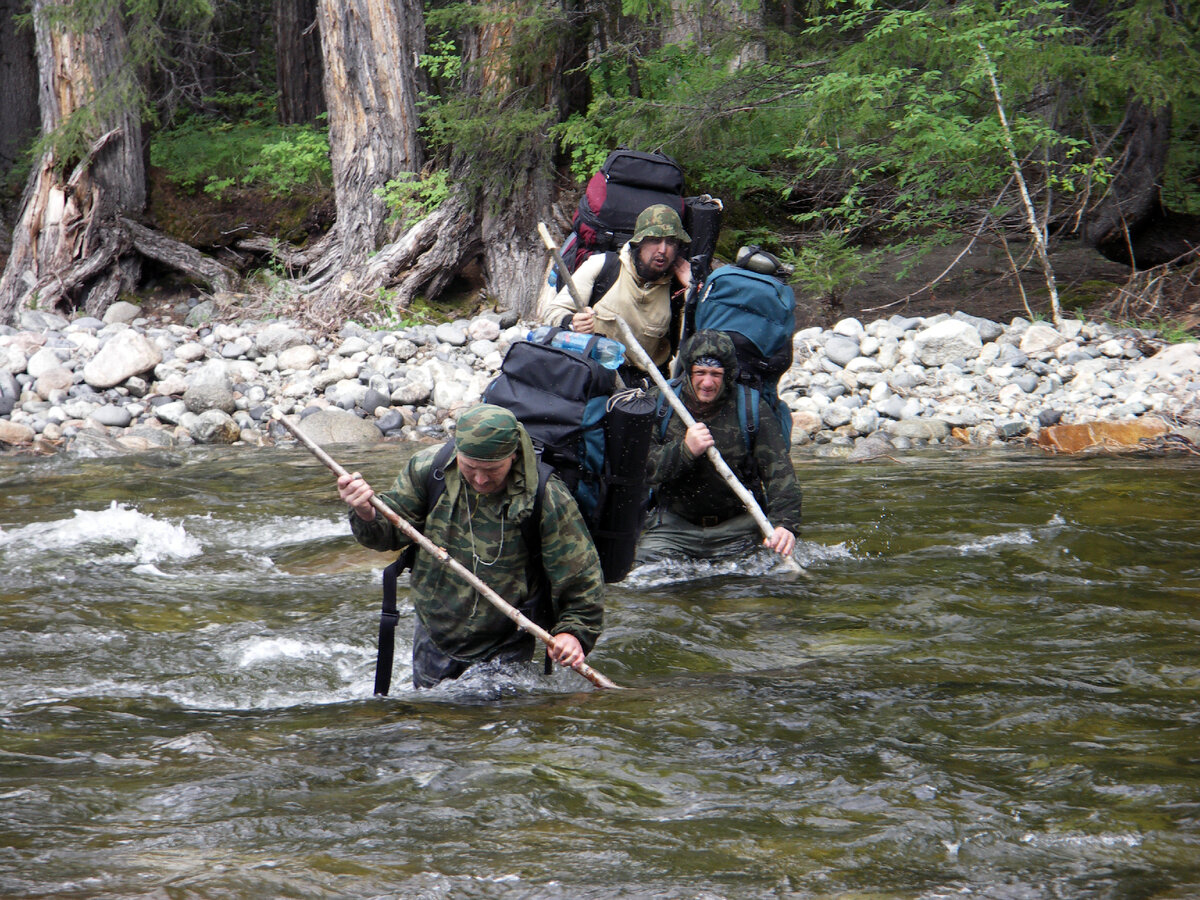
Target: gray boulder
336	426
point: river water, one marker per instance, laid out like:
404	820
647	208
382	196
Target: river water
985	684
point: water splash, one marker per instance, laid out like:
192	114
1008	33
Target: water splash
129	535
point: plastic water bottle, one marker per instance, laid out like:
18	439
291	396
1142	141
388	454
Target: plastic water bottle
607	352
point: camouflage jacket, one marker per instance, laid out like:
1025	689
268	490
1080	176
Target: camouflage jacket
482	532
691	487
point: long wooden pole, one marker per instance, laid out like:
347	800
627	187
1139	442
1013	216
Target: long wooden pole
635	348
523	622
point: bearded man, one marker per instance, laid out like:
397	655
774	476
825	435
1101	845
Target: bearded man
639	289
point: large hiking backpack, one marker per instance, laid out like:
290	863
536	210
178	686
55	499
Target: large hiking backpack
627	183
758	312
597	443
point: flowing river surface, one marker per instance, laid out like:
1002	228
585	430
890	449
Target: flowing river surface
986	684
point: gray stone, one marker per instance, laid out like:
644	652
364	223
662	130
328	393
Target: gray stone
298	358
892	407
841	349
947	341
43	361
921	429
123	355
1011	428
988	330
210	388
214	426
201	314
277	337
172	413
59	379
332	426
113	416
835	415
90	443
374	399
121	312
451	333
1027	382
1040	338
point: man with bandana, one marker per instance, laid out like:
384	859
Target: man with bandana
697	513
641	294
491	487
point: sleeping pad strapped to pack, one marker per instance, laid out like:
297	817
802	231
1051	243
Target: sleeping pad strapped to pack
596	441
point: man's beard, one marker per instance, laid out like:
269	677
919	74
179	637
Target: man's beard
645	272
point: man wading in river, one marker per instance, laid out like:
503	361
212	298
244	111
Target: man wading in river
482	518
698	514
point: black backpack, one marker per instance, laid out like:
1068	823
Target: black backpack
627	183
595	441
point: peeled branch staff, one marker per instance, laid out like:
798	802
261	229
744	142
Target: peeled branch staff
522	621
634	347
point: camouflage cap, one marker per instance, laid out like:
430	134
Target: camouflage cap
487	433
659	221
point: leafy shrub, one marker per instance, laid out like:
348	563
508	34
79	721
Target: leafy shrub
213	153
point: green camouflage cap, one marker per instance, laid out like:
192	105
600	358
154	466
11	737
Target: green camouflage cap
659	221
487	433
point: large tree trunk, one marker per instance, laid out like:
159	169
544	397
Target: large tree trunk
371	85
372	114
68	246
298	66
18	87
513	255
1129	225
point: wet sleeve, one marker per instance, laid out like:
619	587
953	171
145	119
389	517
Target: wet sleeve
572	567
669	459
407	498
777	472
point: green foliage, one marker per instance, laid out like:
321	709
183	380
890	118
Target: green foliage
411	197
214	153
879	119
490	109
828	265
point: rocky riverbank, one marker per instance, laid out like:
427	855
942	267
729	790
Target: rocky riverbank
130	383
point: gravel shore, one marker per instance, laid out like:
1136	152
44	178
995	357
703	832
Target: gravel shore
130	383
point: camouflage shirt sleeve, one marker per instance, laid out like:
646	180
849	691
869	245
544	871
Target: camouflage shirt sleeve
406	497
572	567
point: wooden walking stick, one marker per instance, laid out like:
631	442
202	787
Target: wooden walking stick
522	621
633	346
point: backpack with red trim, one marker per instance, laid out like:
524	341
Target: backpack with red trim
627	183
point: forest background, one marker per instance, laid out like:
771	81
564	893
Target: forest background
388	162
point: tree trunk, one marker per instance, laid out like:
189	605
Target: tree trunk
1129	224
513	255
68	246
18	87
298	67
371	88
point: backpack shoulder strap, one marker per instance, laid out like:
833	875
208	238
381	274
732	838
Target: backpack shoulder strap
663	408
607	276
435	485
747	408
